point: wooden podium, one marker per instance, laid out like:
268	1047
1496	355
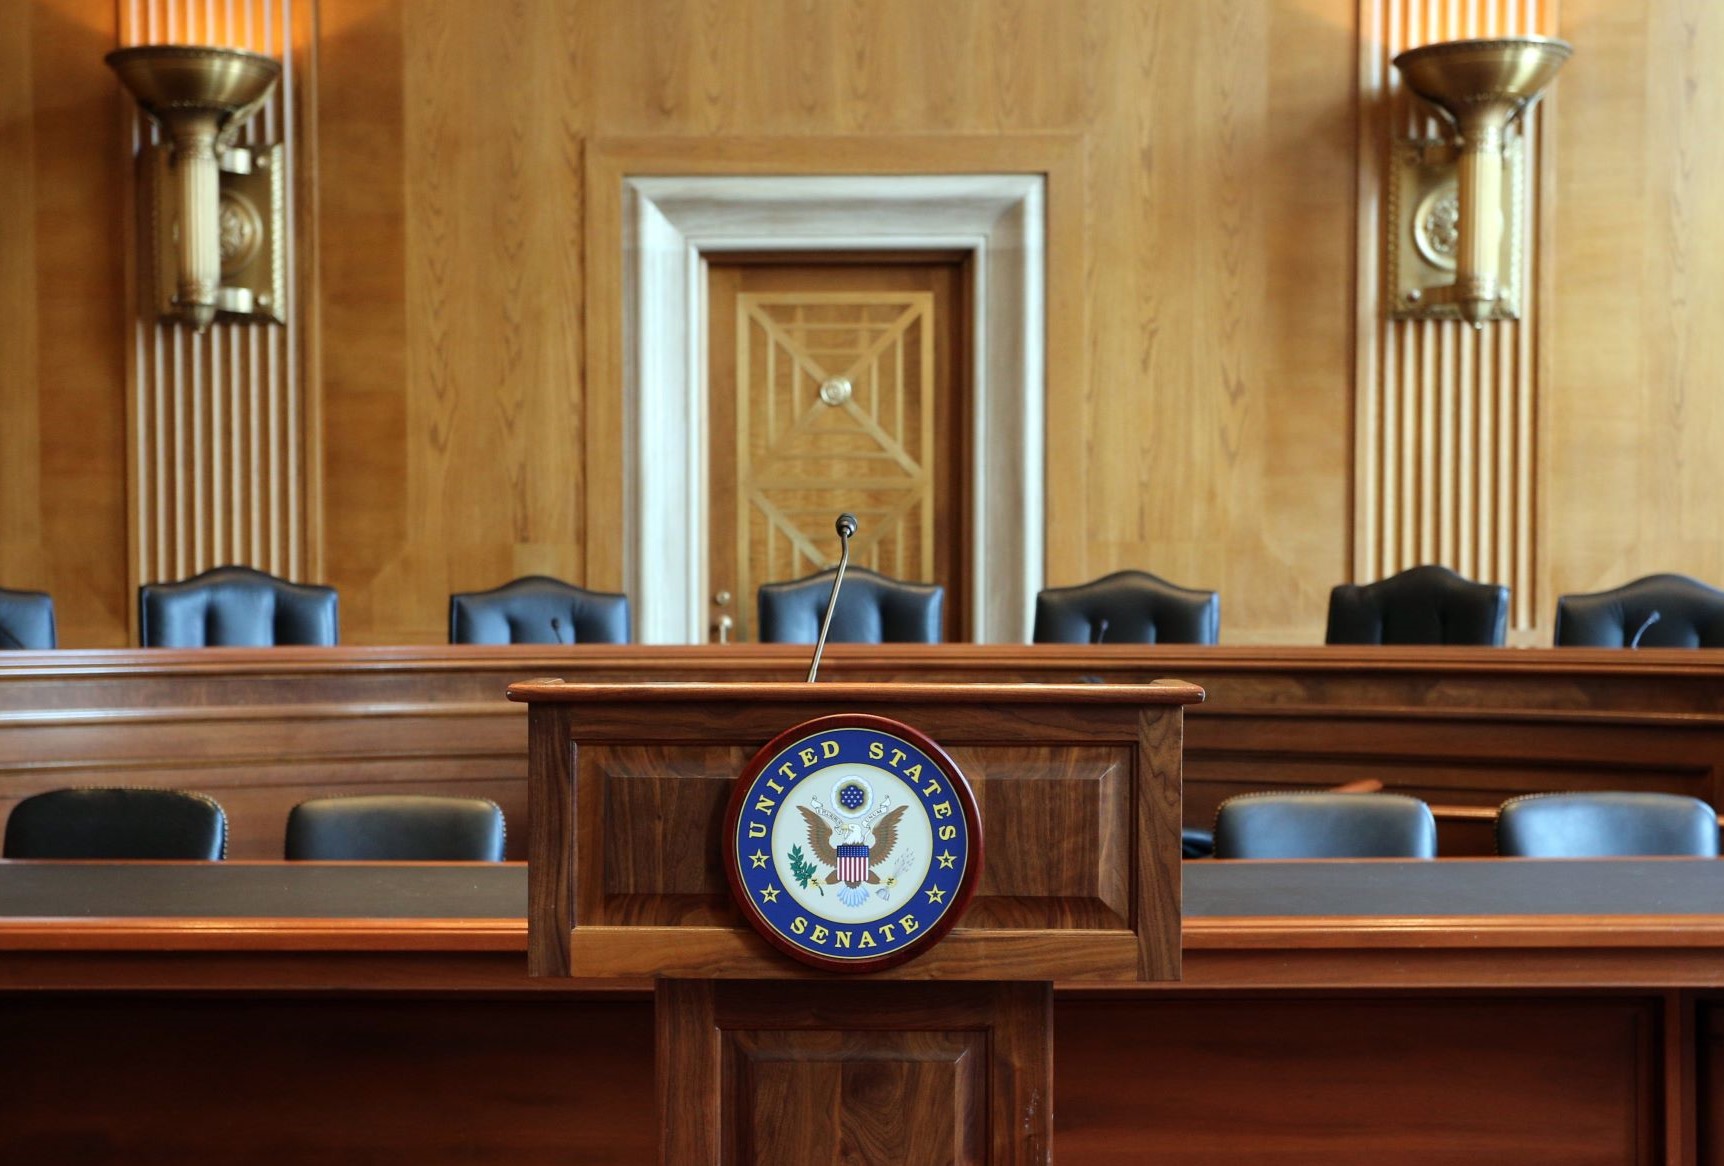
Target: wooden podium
946	1058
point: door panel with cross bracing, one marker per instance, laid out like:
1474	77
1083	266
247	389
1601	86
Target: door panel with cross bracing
835	386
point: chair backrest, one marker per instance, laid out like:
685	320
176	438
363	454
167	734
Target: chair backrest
116	823
26	620
1127	607
872	609
396	828
1665	611
1421	605
1606	825
235	607
537	609
1324	825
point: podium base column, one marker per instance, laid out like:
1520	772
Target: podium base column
894	1073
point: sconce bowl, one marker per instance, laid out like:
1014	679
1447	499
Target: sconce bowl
1503	75
170	79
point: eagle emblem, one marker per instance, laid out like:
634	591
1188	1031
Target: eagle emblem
851	843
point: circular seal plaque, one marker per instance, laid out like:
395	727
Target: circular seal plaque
852	842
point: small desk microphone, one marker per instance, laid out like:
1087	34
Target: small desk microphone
846	527
1650	620
557	629
1100	632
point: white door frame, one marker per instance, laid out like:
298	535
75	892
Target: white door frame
671	225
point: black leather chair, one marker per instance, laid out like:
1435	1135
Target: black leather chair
1421	605
396	828
116	823
1606	825
1127	607
235	607
537	609
26	620
1324	825
1665	611
872	609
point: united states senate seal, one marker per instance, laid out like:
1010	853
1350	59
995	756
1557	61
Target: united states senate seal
852	842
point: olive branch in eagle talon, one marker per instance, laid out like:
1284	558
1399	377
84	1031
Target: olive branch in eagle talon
826	833
802	870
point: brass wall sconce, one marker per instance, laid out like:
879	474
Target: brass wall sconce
211	215
1455	207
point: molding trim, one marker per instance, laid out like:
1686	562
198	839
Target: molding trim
671	224
224	436
1446	464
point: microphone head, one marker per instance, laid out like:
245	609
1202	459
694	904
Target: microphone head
846	526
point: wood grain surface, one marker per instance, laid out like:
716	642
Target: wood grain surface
63	327
1207	324
1095	767
854	1073
1590	1039
1180	1076
1463	728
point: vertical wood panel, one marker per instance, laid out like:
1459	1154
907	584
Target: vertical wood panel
1445	467
218	466
62	409
1201	429
1634	433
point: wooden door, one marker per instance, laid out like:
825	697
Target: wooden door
837	385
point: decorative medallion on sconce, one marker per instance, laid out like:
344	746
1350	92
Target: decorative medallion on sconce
1437	226
835	391
212	215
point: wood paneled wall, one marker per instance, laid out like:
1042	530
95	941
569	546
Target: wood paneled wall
1201	432
62	319
1206	430
1633	421
218	430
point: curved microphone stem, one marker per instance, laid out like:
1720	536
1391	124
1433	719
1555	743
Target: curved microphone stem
1650	620
846	526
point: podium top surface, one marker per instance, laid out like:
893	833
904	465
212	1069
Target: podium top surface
1158	692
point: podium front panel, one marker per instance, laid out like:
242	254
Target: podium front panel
1077	786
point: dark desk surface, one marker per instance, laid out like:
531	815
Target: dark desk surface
1213	890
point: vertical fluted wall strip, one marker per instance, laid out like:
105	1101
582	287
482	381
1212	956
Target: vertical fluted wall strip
216	421
1445	417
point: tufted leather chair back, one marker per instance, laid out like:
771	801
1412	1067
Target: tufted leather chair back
1127	607
117	823
1606	825
1689	614
26	620
396	828
1324	825
235	607
537	609
1421	605
872	609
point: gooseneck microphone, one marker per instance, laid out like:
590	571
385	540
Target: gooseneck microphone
557	628
846	527
1650	620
